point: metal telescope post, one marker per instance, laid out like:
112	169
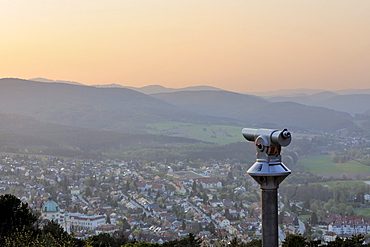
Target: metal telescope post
268	171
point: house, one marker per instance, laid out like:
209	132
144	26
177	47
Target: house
223	222
158	187
227	202
106	228
288	220
253	221
82	222
179	187
158	211
75	190
232	210
142	186
215	203
169	205
215	215
367	197
330	236
209	182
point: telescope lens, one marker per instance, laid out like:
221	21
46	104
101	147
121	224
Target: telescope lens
286	134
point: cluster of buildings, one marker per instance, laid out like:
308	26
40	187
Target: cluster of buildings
151	202
75	222
84	196
345	226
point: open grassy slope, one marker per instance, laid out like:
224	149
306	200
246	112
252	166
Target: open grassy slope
219	134
323	164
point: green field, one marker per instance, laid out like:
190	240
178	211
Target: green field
220	134
323	164
349	183
365	212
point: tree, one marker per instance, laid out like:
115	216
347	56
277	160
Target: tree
295	221
314	219
88	192
103	240
55	230
194	186
235	242
54	235
307	204
211	227
254	243
121	238
183	225
230	176
294	240
142	244
294	208
351	242
14	214
26	238
125	224
188	241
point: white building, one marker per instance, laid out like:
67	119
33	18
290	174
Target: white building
106	228
80	222
209	182
348	228
51	211
70	222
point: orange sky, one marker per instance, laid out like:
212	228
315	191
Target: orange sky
238	45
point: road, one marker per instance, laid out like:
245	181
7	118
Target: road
203	214
302	228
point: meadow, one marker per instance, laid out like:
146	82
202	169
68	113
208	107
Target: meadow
219	134
323	164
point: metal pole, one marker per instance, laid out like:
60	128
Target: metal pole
269	201
268	171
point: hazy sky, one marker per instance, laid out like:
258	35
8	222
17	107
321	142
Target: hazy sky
238	45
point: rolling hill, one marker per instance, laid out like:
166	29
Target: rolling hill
117	109
255	111
125	110
153	89
351	103
77	119
20	134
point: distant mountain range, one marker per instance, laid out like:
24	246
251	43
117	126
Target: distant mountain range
305	91
153	89
353	101
160	89
80	118
256	111
116	109
146	90
126	110
69	118
40	79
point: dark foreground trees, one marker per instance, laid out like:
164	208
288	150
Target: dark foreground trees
14	216
297	240
19	228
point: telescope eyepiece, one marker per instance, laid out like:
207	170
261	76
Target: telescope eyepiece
286	134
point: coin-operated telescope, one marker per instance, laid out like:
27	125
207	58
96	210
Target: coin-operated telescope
268	171
268	163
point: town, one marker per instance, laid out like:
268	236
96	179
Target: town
157	202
